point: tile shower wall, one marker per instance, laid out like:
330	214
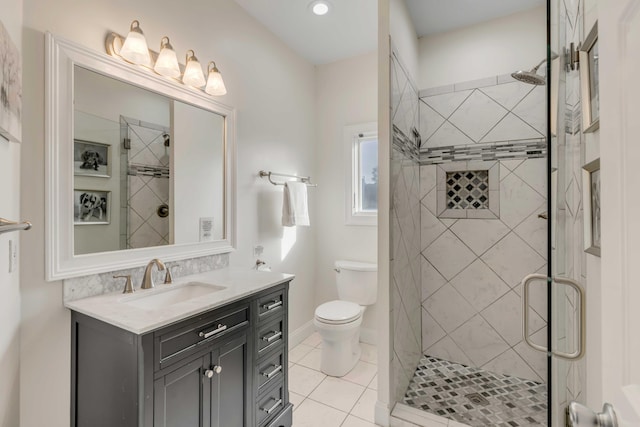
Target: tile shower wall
483	111
405	231
147	168
471	273
472	268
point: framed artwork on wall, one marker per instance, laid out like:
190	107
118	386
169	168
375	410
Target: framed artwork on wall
589	86
91	159
91	207
591	197
10	88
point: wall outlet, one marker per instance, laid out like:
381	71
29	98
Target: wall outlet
258	250
206	229
13	256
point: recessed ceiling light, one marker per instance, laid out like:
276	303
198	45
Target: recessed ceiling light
320	7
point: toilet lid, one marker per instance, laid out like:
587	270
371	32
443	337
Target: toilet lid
338	311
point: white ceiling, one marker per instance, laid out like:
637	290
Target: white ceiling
351	27
436	16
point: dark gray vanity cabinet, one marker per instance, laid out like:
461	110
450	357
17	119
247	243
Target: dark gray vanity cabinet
222	368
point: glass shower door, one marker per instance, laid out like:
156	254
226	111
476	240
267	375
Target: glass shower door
566	256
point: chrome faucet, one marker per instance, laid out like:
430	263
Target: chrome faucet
147	280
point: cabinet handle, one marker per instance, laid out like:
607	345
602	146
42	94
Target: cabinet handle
275	336
220	328
214	370
274	304
276	369
273	408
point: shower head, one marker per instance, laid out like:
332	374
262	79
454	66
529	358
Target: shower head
532	77
529	77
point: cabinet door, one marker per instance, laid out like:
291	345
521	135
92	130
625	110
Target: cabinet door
181	398
229	387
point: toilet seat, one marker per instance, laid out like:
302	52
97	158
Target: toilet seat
338	312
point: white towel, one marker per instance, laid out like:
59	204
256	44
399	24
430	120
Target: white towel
294	206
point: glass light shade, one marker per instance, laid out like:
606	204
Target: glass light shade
135	47
167	62
193	75
215	84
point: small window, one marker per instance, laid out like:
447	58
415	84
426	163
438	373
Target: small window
361	146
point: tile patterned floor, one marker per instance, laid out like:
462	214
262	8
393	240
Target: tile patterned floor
323	401
476	397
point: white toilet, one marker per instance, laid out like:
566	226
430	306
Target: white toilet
338	322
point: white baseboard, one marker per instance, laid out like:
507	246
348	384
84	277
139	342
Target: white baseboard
301	334
381	414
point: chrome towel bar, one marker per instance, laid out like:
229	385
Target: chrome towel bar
7	226
268	175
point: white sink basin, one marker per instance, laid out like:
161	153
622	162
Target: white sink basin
171	296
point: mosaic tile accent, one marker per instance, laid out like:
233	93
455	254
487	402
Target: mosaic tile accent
507	150
98	284
468	190
408	146
476	397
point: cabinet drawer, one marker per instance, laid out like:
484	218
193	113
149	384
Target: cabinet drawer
177	342
270	404
285	419
271	304
270	370
270	336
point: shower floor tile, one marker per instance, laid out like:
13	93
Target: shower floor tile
475	396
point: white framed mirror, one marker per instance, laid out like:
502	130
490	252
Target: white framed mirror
137	166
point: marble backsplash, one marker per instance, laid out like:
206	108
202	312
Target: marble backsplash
98	284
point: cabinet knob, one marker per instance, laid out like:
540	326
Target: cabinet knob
209	373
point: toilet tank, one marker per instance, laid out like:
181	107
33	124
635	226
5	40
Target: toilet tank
357	281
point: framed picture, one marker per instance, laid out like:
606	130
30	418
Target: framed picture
10	88
91	159
591	197
589	86
91	207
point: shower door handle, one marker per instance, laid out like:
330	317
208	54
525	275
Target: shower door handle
582	320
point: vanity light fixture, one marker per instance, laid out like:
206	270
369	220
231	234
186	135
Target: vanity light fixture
193	75
135	49
167	62
215	84
320	7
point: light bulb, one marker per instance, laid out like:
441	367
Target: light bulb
320	8
135	48
193	75
167	62
215	84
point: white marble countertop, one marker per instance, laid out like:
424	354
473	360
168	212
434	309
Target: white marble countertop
117	309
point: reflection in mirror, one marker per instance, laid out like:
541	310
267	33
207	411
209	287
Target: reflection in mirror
148	170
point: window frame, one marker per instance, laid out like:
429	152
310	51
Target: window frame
353	136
